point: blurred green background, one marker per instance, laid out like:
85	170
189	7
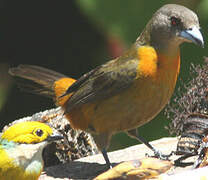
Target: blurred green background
72	37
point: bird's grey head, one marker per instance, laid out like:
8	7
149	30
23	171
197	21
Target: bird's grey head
172	25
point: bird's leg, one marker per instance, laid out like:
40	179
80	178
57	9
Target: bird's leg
105	155
102	141
134	133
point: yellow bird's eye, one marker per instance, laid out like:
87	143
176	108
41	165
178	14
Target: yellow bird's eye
39	132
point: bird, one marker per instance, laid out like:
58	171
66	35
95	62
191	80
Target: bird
21	147
128	91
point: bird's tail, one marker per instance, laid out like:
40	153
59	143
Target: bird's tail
39	80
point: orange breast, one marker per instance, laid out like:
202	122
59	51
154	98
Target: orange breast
140	103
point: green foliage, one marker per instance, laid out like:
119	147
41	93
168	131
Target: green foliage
123	18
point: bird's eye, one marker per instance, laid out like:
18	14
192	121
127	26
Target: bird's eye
175	21
39	132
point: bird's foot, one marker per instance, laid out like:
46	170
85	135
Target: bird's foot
160	155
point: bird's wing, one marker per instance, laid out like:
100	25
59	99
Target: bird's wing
103	82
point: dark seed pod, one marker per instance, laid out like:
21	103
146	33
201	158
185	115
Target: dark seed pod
194	130
191	142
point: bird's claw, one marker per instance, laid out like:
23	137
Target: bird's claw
160	155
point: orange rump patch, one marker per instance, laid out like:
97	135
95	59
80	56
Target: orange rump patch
60	87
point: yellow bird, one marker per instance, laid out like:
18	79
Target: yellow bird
21	147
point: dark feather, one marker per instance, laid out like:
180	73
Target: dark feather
102	82
35	79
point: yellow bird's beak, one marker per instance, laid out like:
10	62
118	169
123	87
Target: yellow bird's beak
54	137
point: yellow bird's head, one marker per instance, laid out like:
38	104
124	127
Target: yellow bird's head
21	147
